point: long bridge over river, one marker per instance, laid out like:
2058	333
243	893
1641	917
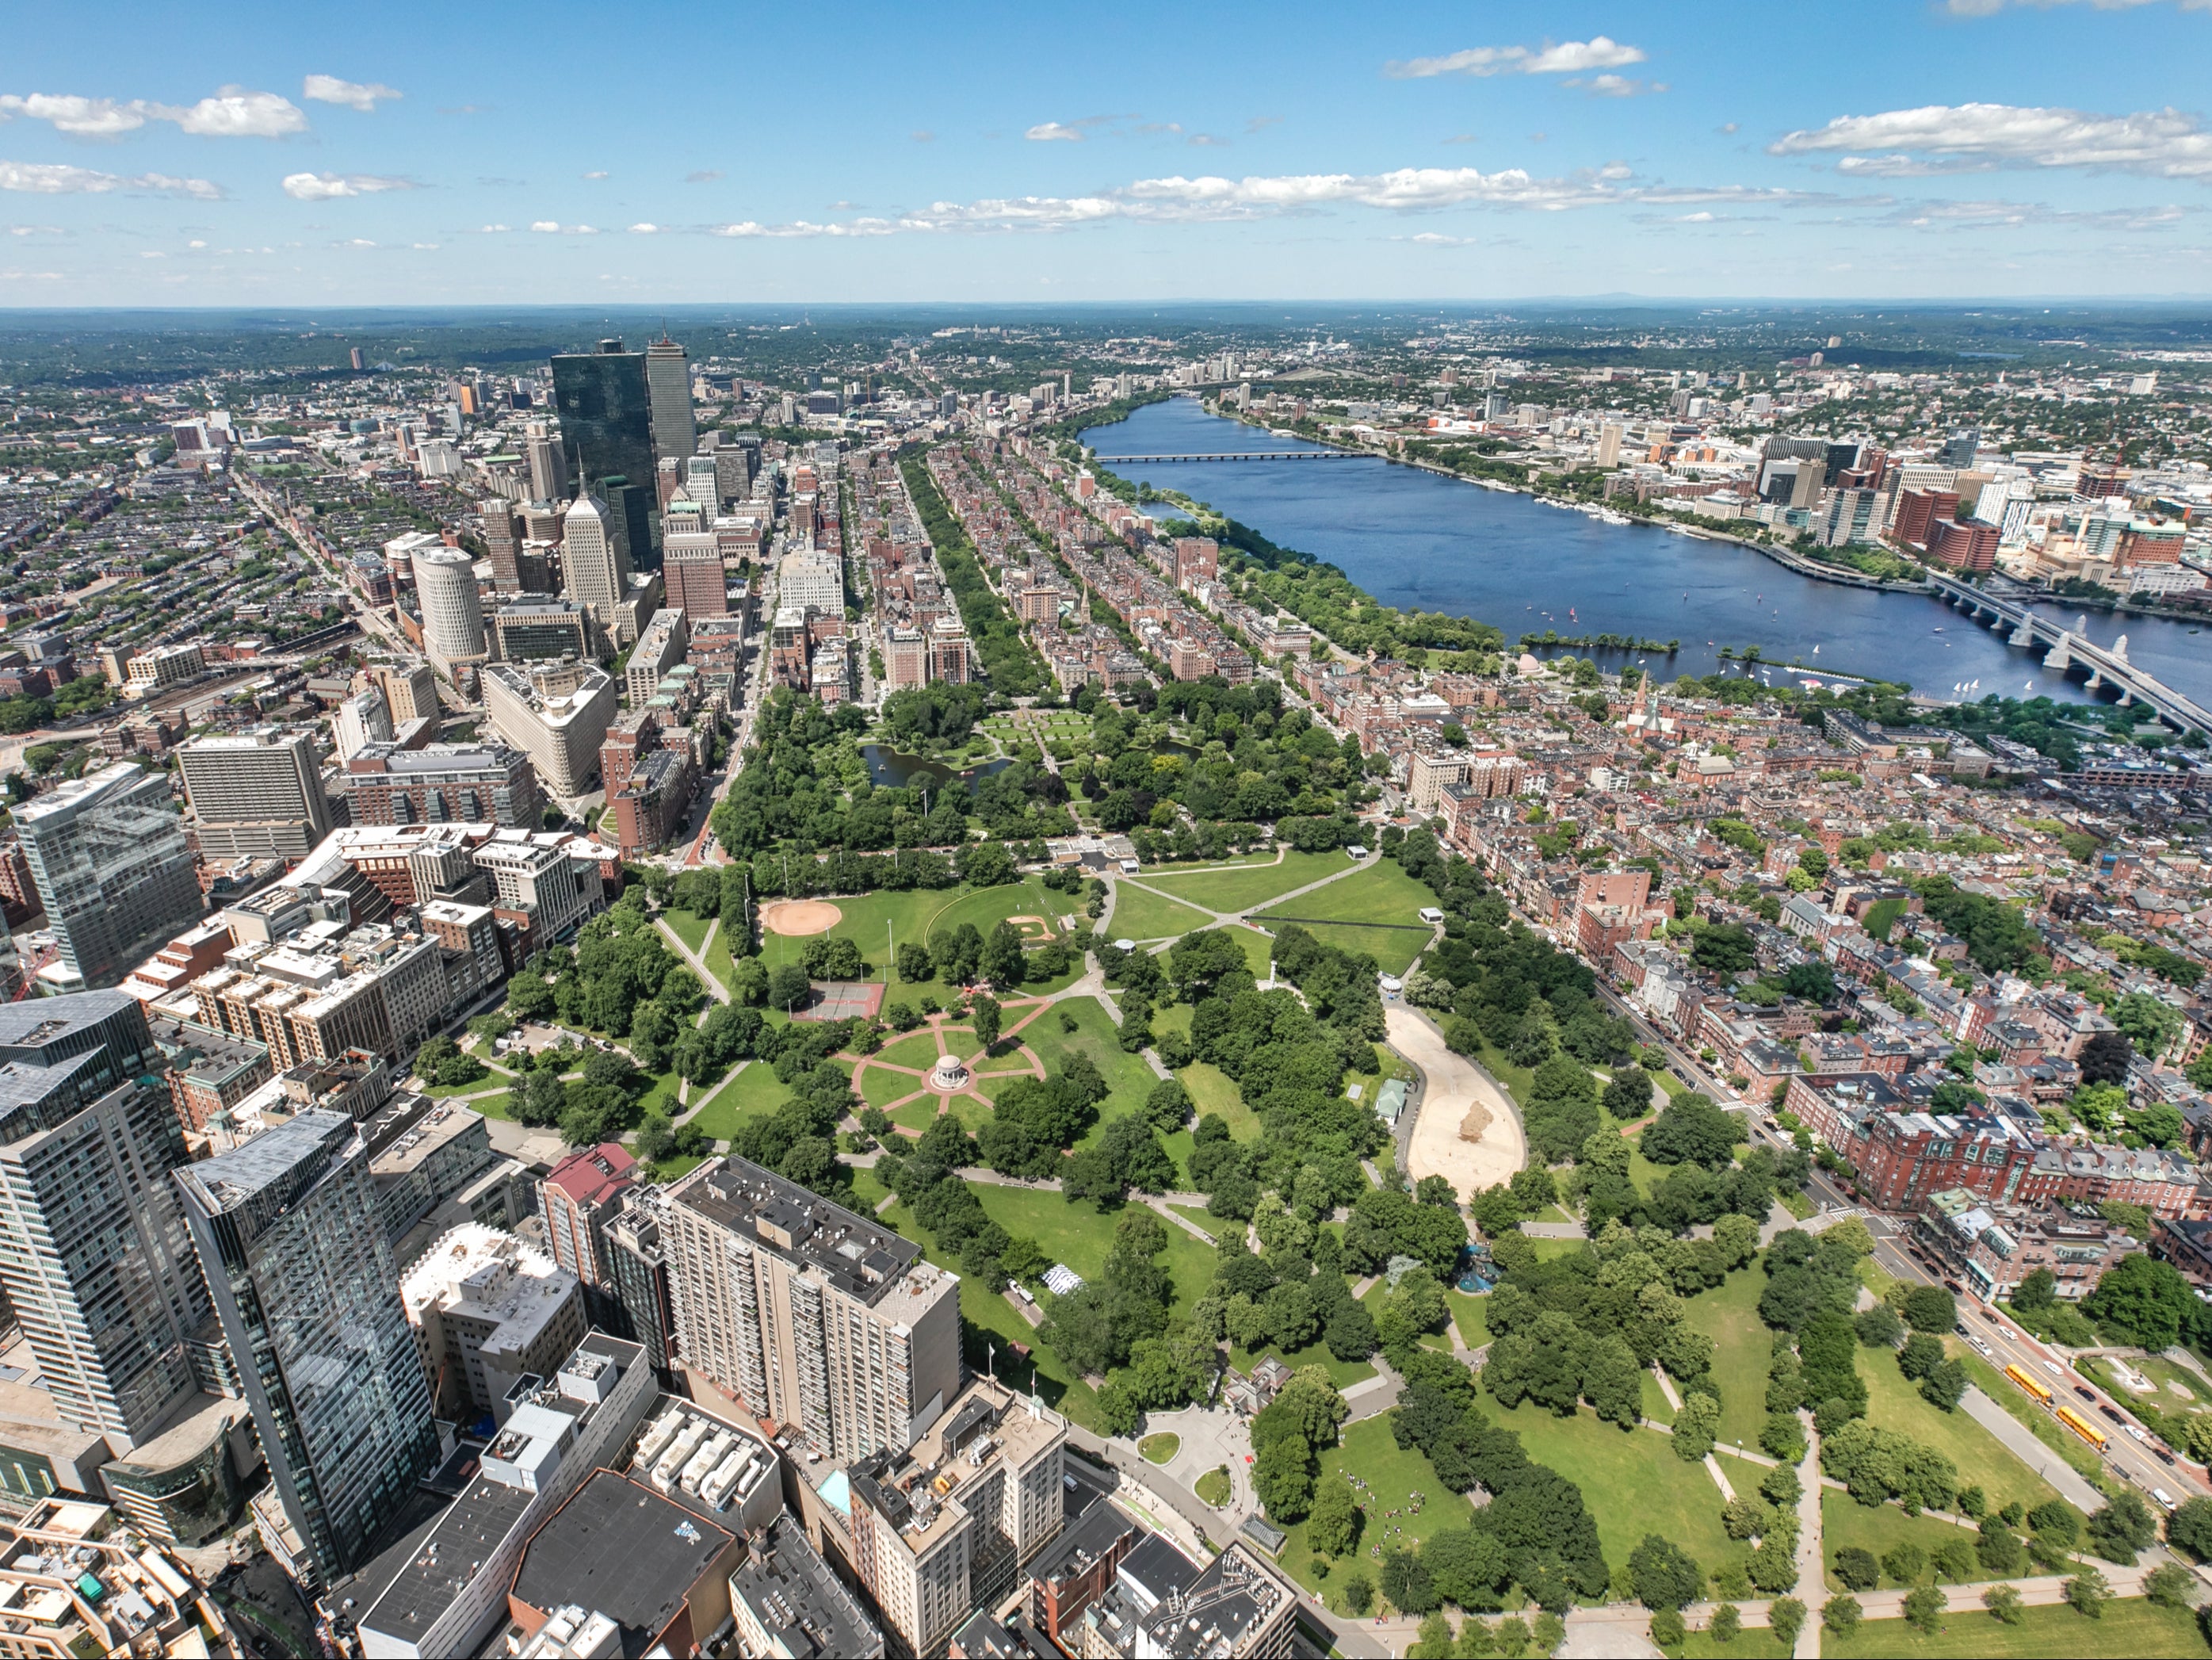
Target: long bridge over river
2068	651
1245	455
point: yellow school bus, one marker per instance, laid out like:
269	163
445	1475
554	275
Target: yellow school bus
2034	1386
2082	1427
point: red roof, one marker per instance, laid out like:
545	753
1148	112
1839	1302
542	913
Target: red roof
591	1174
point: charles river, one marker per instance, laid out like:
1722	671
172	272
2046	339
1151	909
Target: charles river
1422	542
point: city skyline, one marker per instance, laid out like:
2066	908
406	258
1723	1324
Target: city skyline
1959	149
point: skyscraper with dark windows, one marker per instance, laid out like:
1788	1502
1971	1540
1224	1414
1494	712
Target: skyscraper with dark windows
94	1255
668	381
605	406
292	1243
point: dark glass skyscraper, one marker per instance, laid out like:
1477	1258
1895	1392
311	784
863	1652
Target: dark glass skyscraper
606	413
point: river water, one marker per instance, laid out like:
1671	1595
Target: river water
1425	543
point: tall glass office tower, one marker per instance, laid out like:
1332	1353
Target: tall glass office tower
606	413
293	1247
668	378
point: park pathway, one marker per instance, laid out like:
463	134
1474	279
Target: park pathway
2021	1441
1221	917
1812	1551
694	960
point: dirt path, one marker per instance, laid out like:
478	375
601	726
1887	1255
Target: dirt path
1467	1132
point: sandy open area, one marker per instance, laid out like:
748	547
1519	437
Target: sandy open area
1467	1132
798	917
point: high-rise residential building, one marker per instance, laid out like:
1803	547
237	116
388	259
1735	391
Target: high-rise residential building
558	714
702	481
113	868
445	783
816	1319
939	1528
293	1248
640	1266
668	383
1609	444
811	580
363	719
547	462
410	691
692	570
605	406
659	648
256	794
542	884
594	567
576	1200
487	1310
503	538
94	1254
453	615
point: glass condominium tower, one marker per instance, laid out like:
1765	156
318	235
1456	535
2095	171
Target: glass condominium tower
94	1254
290	1239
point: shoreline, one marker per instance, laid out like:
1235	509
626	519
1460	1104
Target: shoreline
1782	556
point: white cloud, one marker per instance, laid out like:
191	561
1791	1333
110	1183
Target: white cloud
1617	86
354	94
750	228
645	230
1566	57
600	172
702	176
1430	239
234	113
494	230
1991	8
81	118
1051	132
1944	137
554	228
54	179
329	186
231	113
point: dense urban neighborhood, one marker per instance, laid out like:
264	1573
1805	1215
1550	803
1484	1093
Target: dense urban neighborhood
752	995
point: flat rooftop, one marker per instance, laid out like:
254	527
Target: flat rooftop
791	1592
854	1253
622	1548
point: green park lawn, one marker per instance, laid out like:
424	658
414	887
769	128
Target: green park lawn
1631	1480
754	1092
1128	1078
1895	1403
1380	893
1080	1234
1391	1473
1159	1448
1199	1217
1211	1089
718	960
1242	888
879	1087
916	1115
1139	915
1743	1348
867	1191
864	915
988	907
1752	1643
494	1079
690	929
1467	1315
1845	1523
1655	1401
2130	1628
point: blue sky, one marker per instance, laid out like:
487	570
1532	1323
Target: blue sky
555	153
